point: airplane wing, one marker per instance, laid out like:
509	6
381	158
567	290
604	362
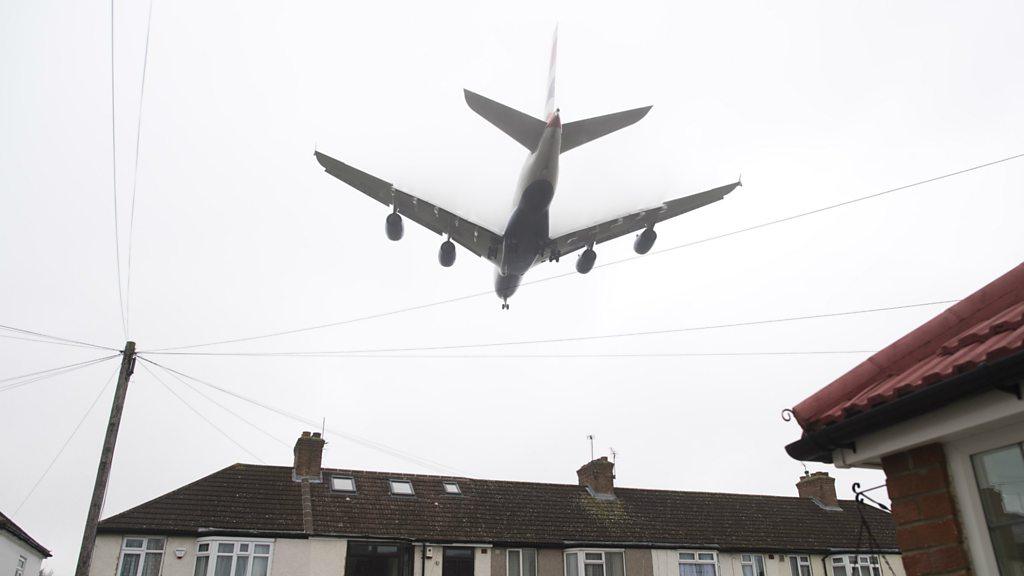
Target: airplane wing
568	243
471	236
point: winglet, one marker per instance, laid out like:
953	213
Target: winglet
739	181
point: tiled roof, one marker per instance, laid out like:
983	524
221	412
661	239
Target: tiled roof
984	327
245	498
9	525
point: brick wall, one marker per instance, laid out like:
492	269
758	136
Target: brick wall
927	528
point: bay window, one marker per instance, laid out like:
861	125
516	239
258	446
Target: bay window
141	556
595	563
232	558
698	564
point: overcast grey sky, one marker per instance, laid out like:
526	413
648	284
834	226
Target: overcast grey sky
239	232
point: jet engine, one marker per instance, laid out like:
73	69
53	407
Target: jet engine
393	226
586	261
644	241
446	255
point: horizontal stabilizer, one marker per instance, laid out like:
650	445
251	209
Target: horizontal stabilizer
580	132
523	128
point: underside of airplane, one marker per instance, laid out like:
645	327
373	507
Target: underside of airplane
526	240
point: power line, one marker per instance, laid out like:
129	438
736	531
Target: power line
200	414
135	176
372	444
611	263
570	338
225	408
40	340
53	371
66	442
58	338
587	356
113	160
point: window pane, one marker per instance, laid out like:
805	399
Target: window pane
401	487
794	568
514	563
225	548
133	543
686	556
571	566
805	570
592	557
262	549
259	566
839	570
343	484
709	557
748	570
155	544
593	570
204	547
759	564
529	562
452	488
223	566
151	564
201	563
241	565
613	564
243	547
696	570
130	564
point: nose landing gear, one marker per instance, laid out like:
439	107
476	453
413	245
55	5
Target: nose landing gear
504	304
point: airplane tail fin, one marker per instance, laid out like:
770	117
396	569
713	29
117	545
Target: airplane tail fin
523	128
580	132
549	103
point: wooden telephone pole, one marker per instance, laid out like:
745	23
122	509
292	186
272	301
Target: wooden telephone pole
99	491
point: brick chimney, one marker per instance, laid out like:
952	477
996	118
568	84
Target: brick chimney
819	486
599	476
309	451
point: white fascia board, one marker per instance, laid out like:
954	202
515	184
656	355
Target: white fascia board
959	420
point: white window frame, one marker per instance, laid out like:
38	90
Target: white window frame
697	561
343	477
446	483
581	561
801	561
748	560
965	486
142	552
508	565
212	553
871	561
393	481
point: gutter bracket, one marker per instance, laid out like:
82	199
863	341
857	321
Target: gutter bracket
1012	388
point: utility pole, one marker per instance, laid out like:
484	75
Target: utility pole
99	491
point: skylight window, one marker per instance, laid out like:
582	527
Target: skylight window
343	484
451	487
401	487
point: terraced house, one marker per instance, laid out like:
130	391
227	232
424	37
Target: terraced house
248	520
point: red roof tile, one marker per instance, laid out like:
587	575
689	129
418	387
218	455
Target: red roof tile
984	327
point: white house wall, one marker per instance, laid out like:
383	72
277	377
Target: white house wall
666	563
11	549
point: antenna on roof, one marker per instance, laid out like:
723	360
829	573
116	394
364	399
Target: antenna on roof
806	471
614	453
323	426
591	438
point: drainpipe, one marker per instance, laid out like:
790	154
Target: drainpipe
423	559
824	564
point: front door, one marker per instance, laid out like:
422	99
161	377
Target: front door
457	562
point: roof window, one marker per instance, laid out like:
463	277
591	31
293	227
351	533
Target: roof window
401	487
343	484
451	487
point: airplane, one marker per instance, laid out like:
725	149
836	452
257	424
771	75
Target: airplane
525	241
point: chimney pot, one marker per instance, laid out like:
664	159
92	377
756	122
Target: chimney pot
599	476
309	450
819	486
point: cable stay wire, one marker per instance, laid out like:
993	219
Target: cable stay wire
66	442
48	376
201	415
41	341
572	338
606	264
57	338
52	371
113	161
587	356
225	408
135	175
366	442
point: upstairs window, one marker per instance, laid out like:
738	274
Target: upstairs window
232	559
752	564
141	556
698	564
594	563
451	487
343	484
401	487
856	566
800	565
522	562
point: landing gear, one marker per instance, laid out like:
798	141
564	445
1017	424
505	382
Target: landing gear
504	305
